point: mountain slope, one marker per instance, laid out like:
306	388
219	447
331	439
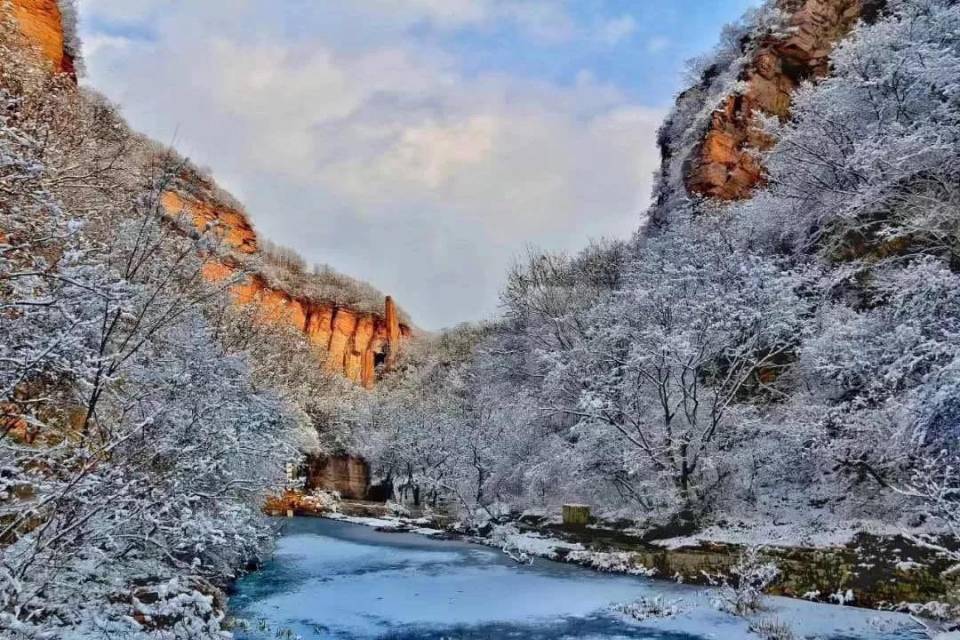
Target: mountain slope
711	140
357	327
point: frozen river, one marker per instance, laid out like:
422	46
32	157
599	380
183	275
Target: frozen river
331	579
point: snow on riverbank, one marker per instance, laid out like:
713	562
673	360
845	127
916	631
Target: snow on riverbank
393	523
781	535
520	546
523	545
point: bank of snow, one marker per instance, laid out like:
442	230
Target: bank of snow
420	526
743	533
521	546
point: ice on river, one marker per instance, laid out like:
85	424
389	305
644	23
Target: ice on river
332	579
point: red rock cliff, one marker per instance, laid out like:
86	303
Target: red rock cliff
229	224
41	22
723	166
355	341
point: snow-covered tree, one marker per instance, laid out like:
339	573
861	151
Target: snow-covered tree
866	165
134	450
669	360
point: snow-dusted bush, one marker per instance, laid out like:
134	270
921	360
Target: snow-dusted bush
742	589
139	452
888	372
772	629
667	357
869	154
647	608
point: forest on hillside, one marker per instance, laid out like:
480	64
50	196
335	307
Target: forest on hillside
143	417
793	354
792	358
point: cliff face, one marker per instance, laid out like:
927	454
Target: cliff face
348	475
355	341
230	225
722	165
41	22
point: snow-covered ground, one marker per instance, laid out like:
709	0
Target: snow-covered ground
827	534
519	546
418	526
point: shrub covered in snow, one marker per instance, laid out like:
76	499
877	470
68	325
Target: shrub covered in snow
742	590
647	608
772	629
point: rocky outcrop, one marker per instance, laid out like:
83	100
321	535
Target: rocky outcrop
41	22
724	166
348	475
394	330
229	224
355	341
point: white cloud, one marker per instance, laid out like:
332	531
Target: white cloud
658	44
381	157
122	10
433	155
614	31
94	45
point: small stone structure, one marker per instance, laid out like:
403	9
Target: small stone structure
576	515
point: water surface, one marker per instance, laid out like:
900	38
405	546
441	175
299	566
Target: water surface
332	579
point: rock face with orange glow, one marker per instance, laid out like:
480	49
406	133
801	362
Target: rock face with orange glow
41	23
230	225
346	474
355	341
723	166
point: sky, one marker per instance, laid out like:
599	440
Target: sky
421	145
